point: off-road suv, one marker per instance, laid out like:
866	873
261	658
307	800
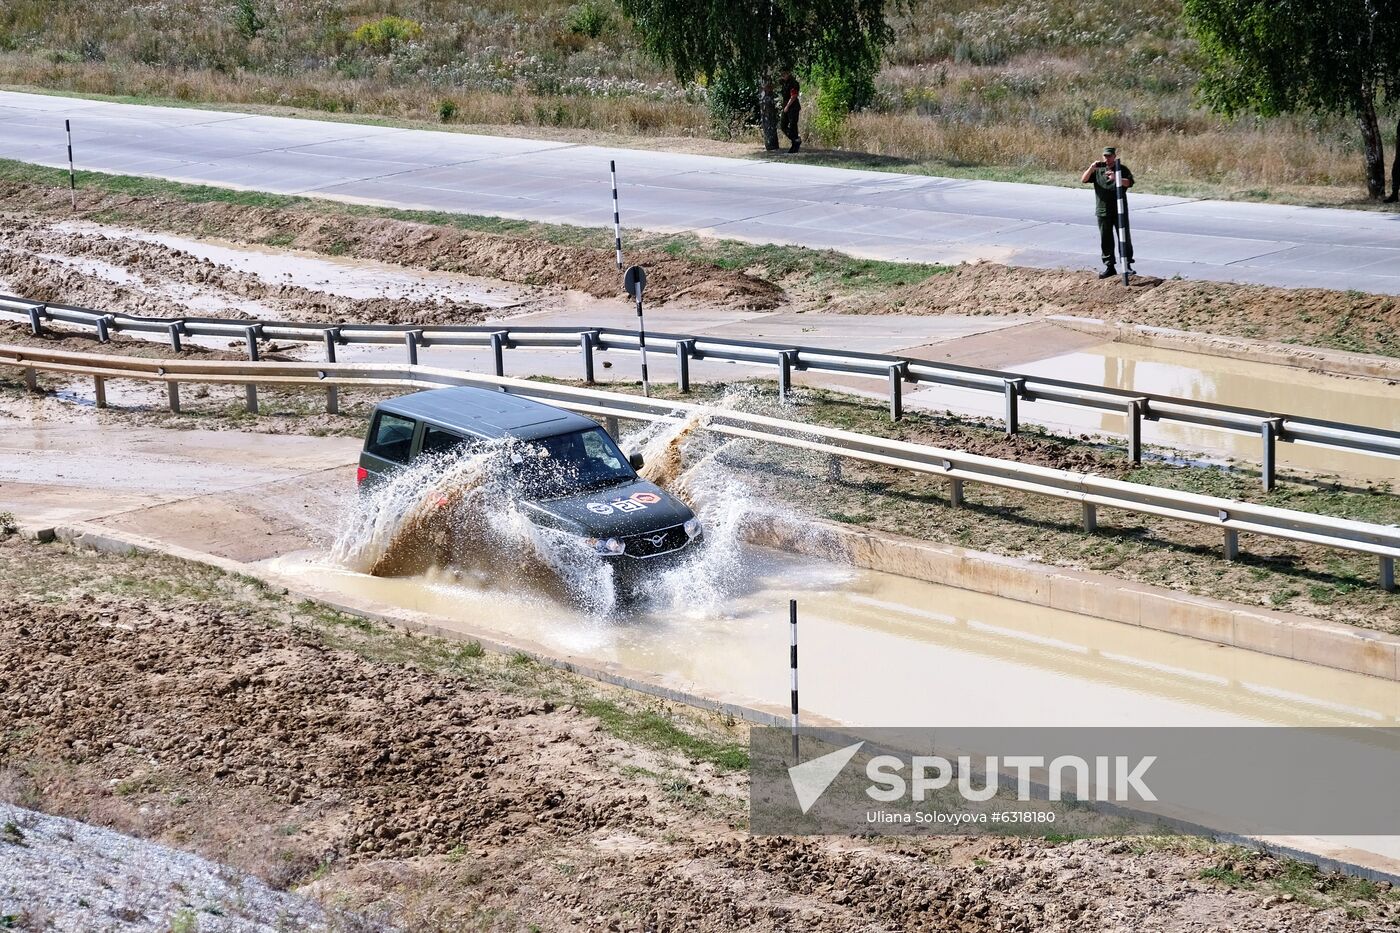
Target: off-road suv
565	471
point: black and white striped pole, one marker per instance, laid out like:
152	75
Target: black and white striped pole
634	280
72	178
792	627
1125	241
617	217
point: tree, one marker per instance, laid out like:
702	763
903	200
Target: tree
749	40
1337	57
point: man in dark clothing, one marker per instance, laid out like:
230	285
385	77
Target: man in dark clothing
792	109
1103	175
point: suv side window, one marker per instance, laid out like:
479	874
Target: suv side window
443	441
392	437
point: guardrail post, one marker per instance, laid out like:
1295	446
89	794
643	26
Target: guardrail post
785	360
1269	432
684	348
586	340
1388	574
1232	544
175	328
1091	517
498	345
1013	388
1136	408
36	319
31	379
955	493
103	325
410	340
250	336
610	423
331	335
172	394
897	374
99	391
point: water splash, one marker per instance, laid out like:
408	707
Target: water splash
453	516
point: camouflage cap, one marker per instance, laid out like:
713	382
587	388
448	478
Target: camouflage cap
1109	150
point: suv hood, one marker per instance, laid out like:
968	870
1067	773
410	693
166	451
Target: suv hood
624	509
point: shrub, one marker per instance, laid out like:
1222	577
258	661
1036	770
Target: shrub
382	35
246	19
447	110
733	104
839	93
588	18
1106	119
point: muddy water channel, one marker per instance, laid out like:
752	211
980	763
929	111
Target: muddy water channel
878	649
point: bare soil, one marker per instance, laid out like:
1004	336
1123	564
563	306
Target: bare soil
428	787
509	258
1354	321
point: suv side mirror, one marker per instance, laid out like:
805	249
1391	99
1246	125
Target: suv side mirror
635	459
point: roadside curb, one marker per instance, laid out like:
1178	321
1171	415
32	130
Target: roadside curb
1266	631
1336	362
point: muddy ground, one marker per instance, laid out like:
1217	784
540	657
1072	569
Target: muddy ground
519	259
1314	317
420	784
555	259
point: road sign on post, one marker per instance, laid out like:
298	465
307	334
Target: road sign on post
634	281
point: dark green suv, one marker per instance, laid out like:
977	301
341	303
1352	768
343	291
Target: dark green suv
565	471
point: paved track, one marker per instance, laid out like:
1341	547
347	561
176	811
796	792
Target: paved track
876	214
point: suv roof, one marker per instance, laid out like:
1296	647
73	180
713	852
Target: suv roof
487	412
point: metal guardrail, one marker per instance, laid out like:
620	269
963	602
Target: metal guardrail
1014	388
958	468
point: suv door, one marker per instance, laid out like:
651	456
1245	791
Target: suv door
388	446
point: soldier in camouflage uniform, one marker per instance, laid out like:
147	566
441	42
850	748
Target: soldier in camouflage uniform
1103	175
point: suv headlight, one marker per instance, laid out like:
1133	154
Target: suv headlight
692	528
605	546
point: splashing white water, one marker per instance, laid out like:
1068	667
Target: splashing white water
450	514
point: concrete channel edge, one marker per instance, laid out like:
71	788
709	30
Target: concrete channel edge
1267	631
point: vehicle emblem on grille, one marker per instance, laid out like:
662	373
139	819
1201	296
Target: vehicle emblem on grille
657	540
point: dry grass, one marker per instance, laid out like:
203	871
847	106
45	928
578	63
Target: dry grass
973	87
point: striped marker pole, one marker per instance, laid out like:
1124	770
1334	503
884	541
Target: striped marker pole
617	218
72	179
792	626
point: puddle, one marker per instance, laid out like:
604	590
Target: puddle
1226	381
884	650
351	278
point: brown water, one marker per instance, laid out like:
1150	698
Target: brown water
1241	383
878	649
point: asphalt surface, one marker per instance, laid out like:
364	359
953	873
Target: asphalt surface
875	214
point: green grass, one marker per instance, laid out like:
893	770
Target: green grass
650	728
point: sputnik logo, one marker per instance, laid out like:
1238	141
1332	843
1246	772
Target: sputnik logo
811	778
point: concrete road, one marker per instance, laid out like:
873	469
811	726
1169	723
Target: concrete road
874	214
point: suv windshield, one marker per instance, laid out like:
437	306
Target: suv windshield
550	467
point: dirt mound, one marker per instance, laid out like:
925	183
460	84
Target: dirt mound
439	247
1346	320
118	274
991	288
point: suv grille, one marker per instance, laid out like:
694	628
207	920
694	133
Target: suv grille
654	543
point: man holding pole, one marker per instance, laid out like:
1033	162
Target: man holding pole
1106	175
